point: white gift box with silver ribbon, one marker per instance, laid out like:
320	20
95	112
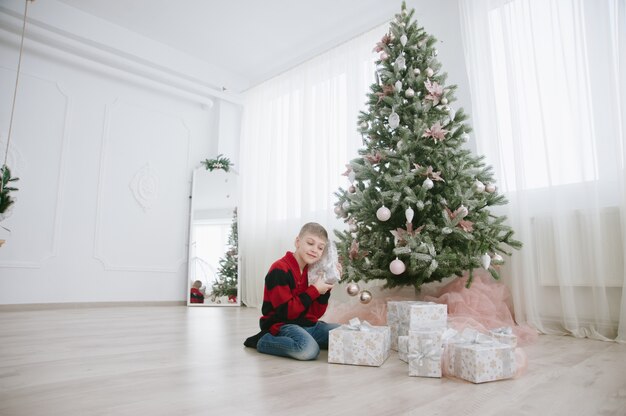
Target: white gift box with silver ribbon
425	350
403	316
479	358
504	335
424	315
359	343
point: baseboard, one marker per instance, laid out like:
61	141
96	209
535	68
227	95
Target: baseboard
83	305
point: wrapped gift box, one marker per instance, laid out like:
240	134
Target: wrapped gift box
481	360
403	316
359	343
419	315
397	330
504	335
425	351
403	348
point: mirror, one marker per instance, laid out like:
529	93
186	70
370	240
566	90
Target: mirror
213	239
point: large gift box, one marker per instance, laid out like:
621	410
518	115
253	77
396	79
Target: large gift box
359	343
479	358
425	349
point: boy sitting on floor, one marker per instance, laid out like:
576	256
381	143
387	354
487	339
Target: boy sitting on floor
290	325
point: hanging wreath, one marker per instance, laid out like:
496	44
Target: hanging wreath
220	162
5	192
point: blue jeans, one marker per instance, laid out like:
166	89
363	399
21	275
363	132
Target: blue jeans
295	341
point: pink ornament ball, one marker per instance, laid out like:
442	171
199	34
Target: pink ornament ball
397	266
352	289
383	213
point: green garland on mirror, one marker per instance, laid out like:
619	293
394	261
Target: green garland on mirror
220	162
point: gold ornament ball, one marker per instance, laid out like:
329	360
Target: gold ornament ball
352	289
365	297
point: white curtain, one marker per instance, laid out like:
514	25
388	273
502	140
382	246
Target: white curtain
548	85
298	131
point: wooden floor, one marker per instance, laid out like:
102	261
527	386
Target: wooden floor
174	360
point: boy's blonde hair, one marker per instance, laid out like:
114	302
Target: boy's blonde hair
315	229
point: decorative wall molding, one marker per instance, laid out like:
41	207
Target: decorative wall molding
145	187
120	63
21	168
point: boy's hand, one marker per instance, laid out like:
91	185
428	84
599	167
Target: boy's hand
322	286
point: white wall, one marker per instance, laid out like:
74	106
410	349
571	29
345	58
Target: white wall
108	127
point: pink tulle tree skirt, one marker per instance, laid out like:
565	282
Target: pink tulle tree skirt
485	305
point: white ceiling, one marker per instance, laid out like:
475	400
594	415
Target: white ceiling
254	39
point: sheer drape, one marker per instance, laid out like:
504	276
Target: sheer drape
298	131
548	83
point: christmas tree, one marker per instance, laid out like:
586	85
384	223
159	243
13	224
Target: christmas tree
417	209
226	283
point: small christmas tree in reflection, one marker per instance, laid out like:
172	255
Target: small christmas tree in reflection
226	283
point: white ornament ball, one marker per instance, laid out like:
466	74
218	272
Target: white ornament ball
383	213
409	213
485	260
352	289
491	188
398	86
417	71
394	120
384	56
364	125
428	184
465	137
479	187
444	101
409	93
403	40
397	266
429	72
365	297
497	259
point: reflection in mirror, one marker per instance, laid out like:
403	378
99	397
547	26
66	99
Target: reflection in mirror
213	247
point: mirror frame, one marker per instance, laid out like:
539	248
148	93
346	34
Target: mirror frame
221	181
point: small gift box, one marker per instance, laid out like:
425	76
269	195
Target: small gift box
403	348
479	358
504	335
359	343
425	352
